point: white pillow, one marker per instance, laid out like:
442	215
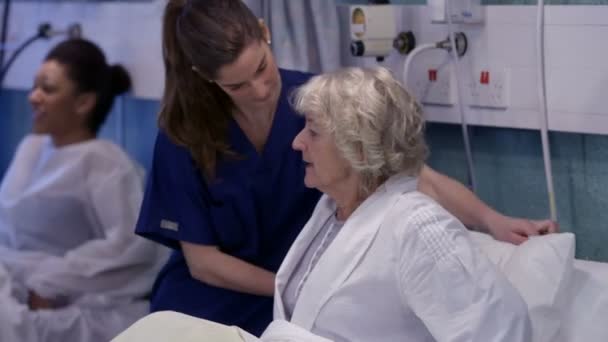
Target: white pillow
540	269
165	326
498	252
283	331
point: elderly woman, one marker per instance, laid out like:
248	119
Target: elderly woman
378	260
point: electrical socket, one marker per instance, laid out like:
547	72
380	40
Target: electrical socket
494	93
440	91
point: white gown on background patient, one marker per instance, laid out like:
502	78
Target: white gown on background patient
67	217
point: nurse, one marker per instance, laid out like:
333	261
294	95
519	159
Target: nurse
226	190
71	268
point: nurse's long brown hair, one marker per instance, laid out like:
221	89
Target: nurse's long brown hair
199	37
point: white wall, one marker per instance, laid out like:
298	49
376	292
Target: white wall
129	33
576	64
576	50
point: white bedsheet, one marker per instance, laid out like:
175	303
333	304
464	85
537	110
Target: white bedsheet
587	313
544	261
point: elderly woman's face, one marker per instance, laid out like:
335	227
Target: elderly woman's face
326	169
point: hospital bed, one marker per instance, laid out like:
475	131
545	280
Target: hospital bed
587	313
567	298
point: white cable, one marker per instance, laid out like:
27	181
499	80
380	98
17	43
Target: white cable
460	100
410	58
542	99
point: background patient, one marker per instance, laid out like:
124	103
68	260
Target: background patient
378	260
71	268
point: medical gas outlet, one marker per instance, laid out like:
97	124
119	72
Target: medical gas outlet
373	32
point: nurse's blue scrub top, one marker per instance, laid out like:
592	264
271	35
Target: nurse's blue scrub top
253	210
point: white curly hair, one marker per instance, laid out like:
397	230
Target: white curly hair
377	125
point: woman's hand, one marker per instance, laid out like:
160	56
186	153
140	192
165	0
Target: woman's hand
517	230
36	302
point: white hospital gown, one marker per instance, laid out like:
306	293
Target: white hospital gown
67	217
400	269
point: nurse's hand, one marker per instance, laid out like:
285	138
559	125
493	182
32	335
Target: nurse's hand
36	302
516	230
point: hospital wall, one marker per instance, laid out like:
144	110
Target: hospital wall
506	147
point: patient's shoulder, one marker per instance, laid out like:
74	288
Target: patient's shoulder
105	156
108	150
415	205
33	142
421	223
